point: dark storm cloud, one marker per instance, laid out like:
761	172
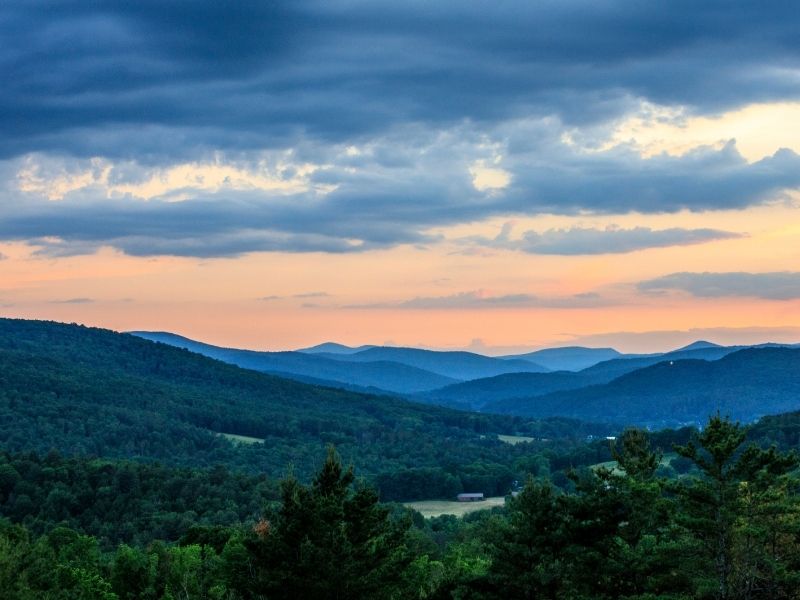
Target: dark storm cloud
782	285
577	241
161	79
421	89
620	181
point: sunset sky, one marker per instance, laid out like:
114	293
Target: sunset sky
483	175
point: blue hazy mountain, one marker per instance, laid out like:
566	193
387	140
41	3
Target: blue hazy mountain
333	348
698	345
745	384
376	375
619	366
455	364
568	358
477	393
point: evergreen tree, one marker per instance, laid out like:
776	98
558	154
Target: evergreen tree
739	515
528	554
331	539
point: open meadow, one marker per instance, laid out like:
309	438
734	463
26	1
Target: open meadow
436	508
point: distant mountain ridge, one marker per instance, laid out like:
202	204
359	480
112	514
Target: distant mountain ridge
456	364
459	379
387	368
567	358
477	394
378	375
745	384
333	348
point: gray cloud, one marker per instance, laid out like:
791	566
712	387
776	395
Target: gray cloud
612	240
152	84
784	285
620	181
165	77
378	206
480	300
312	295
73	301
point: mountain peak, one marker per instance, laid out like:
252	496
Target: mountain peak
333	348
698	345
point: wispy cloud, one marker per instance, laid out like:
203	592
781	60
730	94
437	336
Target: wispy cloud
782	285
73	301
312	295
481	300
583	241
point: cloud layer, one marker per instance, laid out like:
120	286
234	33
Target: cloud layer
479	299
213	130
166	77
611	240
386	197
783	285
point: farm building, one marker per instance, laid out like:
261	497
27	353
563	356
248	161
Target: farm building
470	497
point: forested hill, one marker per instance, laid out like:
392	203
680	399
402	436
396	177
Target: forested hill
385	375
489	393
455	364
94	392
746	385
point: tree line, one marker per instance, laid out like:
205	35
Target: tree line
727	530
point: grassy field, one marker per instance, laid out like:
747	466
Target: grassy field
612	464
435	508
241	439
514	439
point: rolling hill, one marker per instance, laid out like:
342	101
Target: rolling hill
568	358
476	394
745	384
456	365
93	392
318	368
332	348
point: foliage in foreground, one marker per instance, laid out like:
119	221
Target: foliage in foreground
730	531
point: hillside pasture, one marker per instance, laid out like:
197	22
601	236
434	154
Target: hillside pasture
515	439
241	439
437	508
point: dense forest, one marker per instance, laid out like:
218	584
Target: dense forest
132	469
92	392
728	529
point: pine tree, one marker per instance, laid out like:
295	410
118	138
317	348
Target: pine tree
733	511
329	540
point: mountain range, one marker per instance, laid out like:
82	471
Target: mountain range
745	385
470	381
387	369
106	393
97	393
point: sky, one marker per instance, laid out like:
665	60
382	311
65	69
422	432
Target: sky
485	175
